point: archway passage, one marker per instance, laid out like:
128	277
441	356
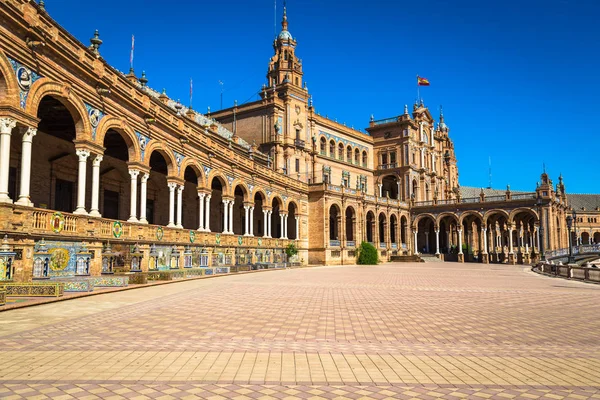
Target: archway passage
292	225
217	213
259	217
390	187
350	225
472	244
114	176
276	219
157	202
403	230
382	230
596	237
334	216
448	226
239	213
393	229
426	235
191	201
585	238
370	227
498	237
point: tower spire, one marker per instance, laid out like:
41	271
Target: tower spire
284	23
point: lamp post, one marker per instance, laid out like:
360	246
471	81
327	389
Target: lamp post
569	225
541	241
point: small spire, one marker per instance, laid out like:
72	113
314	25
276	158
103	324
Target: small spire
42	5
441	114
406	109
96	42
284	23
143	79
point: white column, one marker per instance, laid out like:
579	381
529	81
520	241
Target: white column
399	196
536	240
133	198
246	221
460	242
281	236
297	227
270	213
380	189
415	242
285	224
207	219
485	240
179	206
172	186
83	156
28	134
225	216
252	221
437	242
95	211
201	211
231	216
6	127
510	241
143	196
266	223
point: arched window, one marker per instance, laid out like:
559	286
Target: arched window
332	148
364	158
341	151
323	146
349	154
356	157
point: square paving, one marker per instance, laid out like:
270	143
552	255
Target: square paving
428	330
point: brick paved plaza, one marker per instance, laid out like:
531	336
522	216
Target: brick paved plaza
399	331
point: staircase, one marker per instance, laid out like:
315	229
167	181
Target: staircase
405	259
429	258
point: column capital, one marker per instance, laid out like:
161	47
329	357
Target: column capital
145	177
28	133
133	173
83	154
97	160
7	124
208	196
179	188
172	186
201	195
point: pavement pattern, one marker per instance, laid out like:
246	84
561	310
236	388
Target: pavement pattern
425	331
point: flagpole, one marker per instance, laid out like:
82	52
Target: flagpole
131	55
191	93
418	91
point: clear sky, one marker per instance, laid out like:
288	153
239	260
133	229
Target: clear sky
519	81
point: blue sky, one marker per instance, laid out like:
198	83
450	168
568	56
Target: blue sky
518	80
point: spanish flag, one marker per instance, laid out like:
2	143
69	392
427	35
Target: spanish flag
422	81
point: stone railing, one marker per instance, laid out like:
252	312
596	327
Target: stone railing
2	296
480	199
583	249
589	274
35	289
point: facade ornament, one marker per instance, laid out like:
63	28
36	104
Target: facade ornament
96	42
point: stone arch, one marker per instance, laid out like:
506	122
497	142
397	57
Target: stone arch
443	215
466	214
196	167
167	155
490	213
65	94
122	127
292	225
240	183
222	178
295	203
370	226
262	192
419	217
516	211
275	197
334	216
9	88
382	225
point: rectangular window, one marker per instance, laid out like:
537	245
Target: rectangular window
384	158
393	157
405	132
297	165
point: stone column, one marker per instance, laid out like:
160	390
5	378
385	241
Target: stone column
133	197
83	156
399	187
95	211
201	211
225	216
172	186
437	242
231	216
485	242
207	219
510	240
281	235
285	229
270	213
460	242
536	240
143	196
297	227
246	221
252	221
415	244
266	223
6	127
179	206
28	134
380	185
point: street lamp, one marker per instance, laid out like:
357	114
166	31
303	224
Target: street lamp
541	241
569	225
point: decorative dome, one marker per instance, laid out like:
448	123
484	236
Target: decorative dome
285	35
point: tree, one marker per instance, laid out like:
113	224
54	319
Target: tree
367	254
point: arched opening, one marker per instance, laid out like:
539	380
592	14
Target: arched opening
390	187
448	235
277	206
332	148
596	237
382	230
497	237
472	246
403	232
370	227
356	156
585	238
341	152
3	88
191	201
292	222
239	214
157	203
350	224
54	158
114	176
349	154
259	221
524	236
217	208
393	229
334	222
426	235
323	145
364	158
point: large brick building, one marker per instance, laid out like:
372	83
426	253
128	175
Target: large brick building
94	161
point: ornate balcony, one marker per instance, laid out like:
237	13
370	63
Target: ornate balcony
299	143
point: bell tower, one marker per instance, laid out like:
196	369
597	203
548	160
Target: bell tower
284	66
